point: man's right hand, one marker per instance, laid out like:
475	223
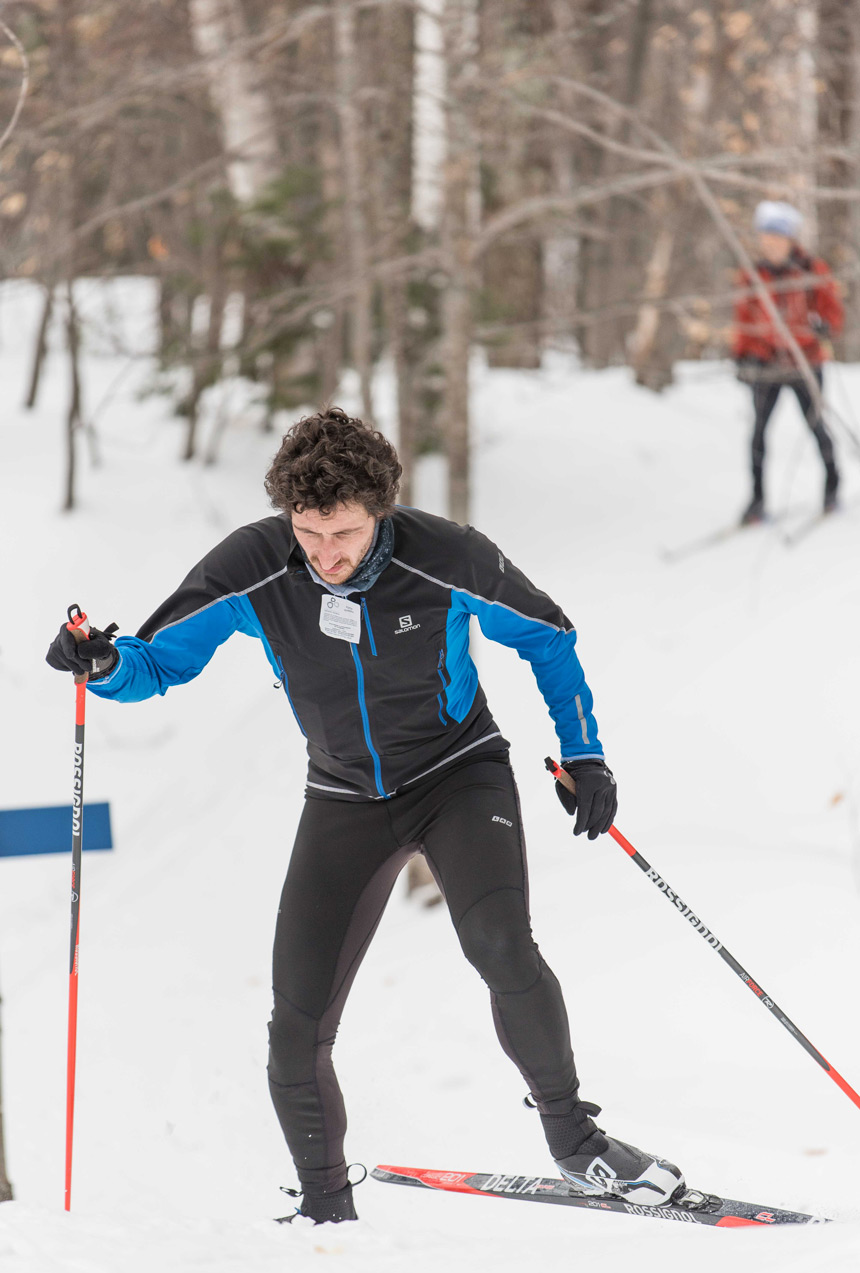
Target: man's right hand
96	656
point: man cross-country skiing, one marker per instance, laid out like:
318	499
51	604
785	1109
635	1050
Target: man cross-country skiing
363	609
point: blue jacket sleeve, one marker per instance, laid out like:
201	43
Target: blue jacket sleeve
211	603
512	611
175	654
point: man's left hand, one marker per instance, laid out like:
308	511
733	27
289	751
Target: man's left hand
595	803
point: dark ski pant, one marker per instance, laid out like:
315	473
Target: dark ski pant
344	864
765	394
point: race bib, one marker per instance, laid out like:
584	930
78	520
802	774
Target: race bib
340	618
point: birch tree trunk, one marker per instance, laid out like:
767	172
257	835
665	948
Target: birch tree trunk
428	116
460	212
355	218
608	261
644	335
658	339
411	344
561	248
218	29
836	52
387	156
805	132
395	313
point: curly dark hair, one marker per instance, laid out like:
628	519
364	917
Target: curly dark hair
332	458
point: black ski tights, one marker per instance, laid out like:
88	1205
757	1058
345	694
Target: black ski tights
765	394
346	858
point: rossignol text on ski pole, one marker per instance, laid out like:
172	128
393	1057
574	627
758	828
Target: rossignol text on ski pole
80	629
562	776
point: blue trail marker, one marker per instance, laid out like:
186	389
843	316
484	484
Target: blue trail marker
48	830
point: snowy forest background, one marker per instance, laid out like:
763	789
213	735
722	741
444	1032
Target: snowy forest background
503	230
319	186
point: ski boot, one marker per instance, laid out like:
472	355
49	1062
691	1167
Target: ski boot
831	486
324	1208
755	514
603	1166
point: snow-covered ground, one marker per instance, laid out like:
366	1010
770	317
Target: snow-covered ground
727	688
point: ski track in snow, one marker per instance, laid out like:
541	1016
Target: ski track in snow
726	688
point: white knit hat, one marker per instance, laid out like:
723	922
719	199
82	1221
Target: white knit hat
778	218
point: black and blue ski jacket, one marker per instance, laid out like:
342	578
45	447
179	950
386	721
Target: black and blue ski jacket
402	701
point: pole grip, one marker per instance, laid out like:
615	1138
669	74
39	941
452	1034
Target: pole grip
79	626
560	775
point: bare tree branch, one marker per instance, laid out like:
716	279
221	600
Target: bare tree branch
682	302
543	205
725	228
194	72
25	83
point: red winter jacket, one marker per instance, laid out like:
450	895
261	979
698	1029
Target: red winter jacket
811	310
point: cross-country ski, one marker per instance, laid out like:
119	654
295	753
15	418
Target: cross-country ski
690	1207
713	539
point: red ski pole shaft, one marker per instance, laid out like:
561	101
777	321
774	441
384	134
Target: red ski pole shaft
686	912
80	628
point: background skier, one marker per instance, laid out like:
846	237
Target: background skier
807	298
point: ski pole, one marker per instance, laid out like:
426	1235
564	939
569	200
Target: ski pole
80	630
562	776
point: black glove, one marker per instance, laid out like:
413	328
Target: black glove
596	801
96	656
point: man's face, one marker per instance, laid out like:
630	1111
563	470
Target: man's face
335	542
775	248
